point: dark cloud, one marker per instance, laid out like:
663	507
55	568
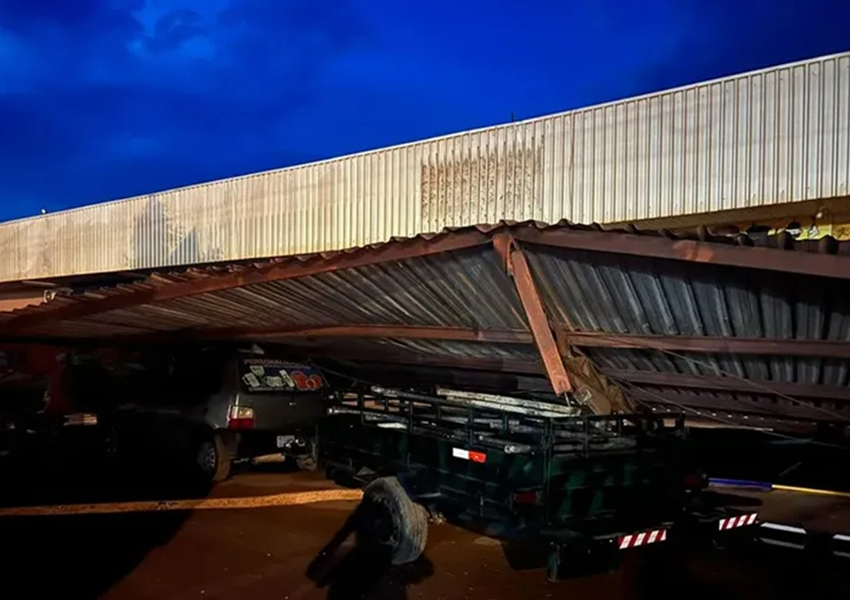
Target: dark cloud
125	98
108	98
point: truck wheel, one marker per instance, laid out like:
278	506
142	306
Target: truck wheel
388	517
214	458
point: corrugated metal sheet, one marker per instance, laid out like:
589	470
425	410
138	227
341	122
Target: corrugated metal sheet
773	136
620	294
460	289
585	291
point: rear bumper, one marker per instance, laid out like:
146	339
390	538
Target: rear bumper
691	530
250	444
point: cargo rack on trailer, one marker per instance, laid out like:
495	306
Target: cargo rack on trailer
516	469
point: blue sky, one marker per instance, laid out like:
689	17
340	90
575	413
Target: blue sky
103	99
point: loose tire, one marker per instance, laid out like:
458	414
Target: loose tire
214	459
390	518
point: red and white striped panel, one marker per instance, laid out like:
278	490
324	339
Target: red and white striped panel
472	455
643	538
741	521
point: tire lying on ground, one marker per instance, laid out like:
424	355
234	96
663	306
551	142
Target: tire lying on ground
389	518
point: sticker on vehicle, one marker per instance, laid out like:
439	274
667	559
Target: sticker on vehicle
285	376
274	382
251	380
293	376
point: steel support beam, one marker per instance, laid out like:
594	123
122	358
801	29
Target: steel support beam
720	345
287	269
495	365
730	384
288	334
407	332
768	259
517	267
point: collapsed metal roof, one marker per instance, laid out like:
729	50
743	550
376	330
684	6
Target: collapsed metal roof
737	329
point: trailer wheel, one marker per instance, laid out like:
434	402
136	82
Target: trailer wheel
388	517
214	458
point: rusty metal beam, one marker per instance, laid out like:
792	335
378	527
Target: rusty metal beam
495	365
801	263
725	345
408	332
285	334
289	269
730	384
517	266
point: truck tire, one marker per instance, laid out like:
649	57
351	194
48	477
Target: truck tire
388	517
214	458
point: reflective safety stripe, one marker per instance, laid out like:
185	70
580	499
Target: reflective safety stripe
472	455
739	521
644	538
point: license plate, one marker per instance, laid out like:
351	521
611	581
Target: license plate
284	440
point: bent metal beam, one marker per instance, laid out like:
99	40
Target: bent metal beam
769	259
517	266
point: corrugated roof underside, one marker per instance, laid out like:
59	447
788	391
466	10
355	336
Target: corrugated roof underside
621	294
582	291
458	289
630	295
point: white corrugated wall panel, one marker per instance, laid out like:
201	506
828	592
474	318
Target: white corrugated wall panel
773	136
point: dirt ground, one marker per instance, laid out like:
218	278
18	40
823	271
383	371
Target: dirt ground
265	553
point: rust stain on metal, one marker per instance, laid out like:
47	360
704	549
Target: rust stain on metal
458	187
502	243
695	252
518	268
19	301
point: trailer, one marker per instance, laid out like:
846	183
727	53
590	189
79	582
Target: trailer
518	470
